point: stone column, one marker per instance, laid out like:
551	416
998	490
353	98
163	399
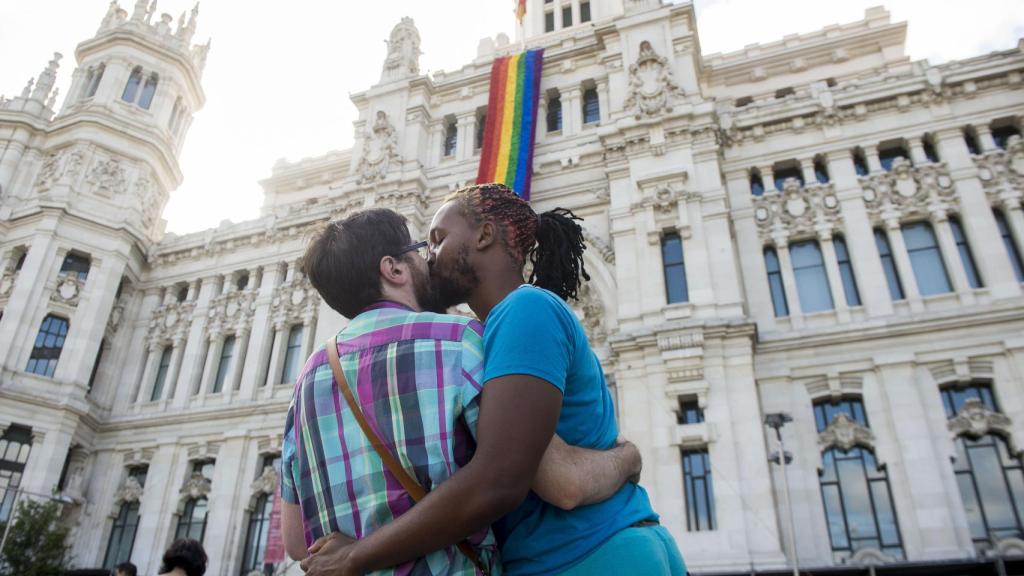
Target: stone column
903	266
262	338
11	157
280	341
603	99
308	336
807	169
171	381
572	107
767	178
212	364
874	162
985	140
951	256
789	281
20	322
466	134
234	380
835	280
149	374
917	155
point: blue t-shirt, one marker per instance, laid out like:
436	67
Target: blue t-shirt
532	331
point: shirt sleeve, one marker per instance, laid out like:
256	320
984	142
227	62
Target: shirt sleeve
472	374
530	333
288	461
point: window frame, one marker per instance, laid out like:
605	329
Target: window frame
670	268
224	364
963	247
48	355
292	354
1009	244
805	272
694	494
118	530
922	256
846	272
892	272
160	378
773	267
591	106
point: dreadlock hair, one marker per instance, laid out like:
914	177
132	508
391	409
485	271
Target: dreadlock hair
552	241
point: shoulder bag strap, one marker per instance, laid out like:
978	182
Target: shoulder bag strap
397	470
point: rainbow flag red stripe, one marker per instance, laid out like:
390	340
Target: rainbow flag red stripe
507	155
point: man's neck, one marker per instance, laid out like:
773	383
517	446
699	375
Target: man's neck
493	288
401	298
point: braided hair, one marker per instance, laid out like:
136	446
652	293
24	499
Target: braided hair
552	241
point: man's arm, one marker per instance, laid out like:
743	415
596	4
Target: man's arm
291	531
518	415
570	476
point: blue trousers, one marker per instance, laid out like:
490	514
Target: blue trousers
644	551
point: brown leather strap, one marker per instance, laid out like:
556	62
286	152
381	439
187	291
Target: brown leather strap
393	465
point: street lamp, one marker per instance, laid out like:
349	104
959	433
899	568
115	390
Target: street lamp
776	421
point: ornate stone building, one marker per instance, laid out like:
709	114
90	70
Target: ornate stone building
817	226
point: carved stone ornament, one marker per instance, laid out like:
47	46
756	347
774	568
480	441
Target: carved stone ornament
651	85
976	420
1002	172
107	178
591	312
231	312
130	491
60	166
665	196
267	482
171	321
197	486
7	279
68	291
796	210
403	58
844	433
380	147
147	199
907	190
294	302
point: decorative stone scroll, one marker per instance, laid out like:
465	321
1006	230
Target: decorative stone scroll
908	191
976	420
266	483
196	486
844	433
590	309
796	210
69	290
1002	173
294	302
651	85
232	312
380	148
130	491
171	321
107	178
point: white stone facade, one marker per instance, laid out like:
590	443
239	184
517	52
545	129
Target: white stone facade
670	151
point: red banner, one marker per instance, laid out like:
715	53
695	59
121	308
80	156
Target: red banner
275	542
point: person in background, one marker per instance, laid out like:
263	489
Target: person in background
125	569
185	557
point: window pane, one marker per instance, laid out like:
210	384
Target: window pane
972	509
554	118
224	367
846	273
965	254
148	91
925	258
1010	245
132	87
995	495
591	106
161	375
811	280
775	285
48	345
674	268
700	504
584	11
834	516
293	355
549	21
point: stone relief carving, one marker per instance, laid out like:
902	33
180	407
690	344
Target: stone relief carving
591	312
171	321
844	433
266	483
107	178
795	210
380	147
196	486
232	312
403	59
907	190
605	250
976	420
68	290
130	491
664	195
1002	173
77	471
651	85
148	200
294	301
63	165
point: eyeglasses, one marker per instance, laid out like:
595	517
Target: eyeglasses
417	246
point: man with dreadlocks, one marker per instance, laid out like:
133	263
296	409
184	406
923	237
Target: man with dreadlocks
540	377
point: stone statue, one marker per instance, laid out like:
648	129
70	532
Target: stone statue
403	58
651	85
380	147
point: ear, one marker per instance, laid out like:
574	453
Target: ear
486	235
394	271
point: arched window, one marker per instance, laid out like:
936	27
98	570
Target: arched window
48	346
15	445
192	522
775	285
131	89
451	137
148	91
859	509
554	118
756	183
93	80
591	106
122	535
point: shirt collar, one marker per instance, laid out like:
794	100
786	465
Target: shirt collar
387	304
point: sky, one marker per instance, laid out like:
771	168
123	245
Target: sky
278	79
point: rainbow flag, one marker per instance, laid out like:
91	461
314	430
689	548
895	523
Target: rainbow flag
507	147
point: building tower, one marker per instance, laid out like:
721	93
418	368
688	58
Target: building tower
81	193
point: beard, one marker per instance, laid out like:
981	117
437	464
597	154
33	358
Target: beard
452	283
424	290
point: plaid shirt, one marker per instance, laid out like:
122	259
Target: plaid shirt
416	378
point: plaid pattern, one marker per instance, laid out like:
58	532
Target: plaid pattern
416	377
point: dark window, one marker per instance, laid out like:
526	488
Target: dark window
1001	135
846	272
825	412
830	82
954	397
243	281
192	522
15	445
811	280
21	262
591	106
292	355
971	140
700	496
756	184
227	351
122	535
973	279
820	171
96	366
889	155
48	345
892	275
93	82
991	482
783	92
148	91
554	119
182	294
584	11
689	411
259	524
782	174
161	375
549	21
859	508
75	264
566	16
929	150
481	124
743	101
926	259
775	285
451	138
1010	245
132	87
675	268
860	165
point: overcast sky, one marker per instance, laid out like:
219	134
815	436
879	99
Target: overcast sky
279	74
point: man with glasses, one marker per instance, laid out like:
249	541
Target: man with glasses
416	377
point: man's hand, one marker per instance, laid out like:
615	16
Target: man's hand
328	556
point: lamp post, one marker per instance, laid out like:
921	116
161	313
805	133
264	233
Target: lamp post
776	421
